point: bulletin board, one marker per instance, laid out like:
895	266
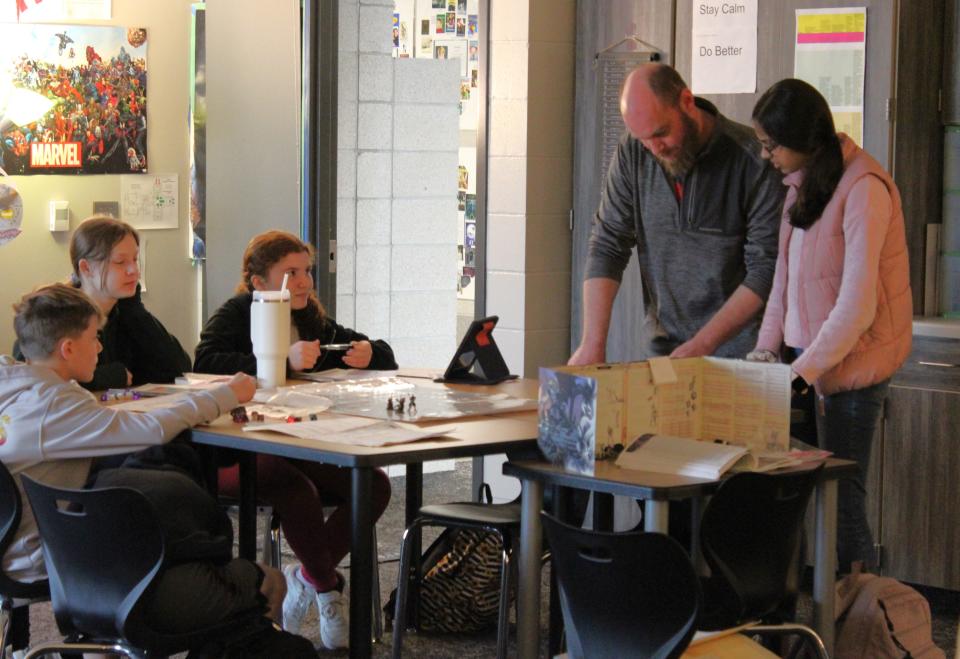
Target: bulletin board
450	29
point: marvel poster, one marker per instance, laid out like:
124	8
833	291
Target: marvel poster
73	99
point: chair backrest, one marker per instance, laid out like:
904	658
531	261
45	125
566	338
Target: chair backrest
102	549
11	510
751	537
624	594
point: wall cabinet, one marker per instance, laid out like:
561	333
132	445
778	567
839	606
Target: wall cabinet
914	485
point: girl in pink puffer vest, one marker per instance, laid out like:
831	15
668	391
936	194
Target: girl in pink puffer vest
841	303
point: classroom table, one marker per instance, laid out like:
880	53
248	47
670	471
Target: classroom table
474	436
658	490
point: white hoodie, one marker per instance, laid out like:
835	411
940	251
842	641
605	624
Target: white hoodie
50	429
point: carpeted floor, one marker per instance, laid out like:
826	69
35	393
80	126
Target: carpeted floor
455	486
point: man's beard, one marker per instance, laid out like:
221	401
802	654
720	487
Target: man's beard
678	166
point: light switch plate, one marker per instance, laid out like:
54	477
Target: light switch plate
59	216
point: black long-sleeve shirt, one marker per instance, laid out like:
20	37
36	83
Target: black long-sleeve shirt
225	345
134	340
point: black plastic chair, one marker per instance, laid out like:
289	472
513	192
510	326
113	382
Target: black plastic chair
751	537
15	596
502	519
623	594
102	549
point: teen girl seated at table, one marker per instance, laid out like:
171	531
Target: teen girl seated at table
137	349
841	298
295	488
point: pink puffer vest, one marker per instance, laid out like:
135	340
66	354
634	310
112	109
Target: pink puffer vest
885	345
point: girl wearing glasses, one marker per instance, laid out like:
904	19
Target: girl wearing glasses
841	299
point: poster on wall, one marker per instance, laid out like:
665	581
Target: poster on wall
73	99
54	10
724	47
830	54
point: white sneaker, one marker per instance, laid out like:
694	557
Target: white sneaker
298	600
334	620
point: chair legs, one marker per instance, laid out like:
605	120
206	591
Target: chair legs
405	576
6	621
377	613
503	621
77	648
403	583
806	634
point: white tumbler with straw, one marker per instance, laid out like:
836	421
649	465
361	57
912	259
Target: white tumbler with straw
270	334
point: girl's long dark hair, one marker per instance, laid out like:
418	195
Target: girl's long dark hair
795	115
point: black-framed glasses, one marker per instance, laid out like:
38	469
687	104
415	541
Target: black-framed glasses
769	145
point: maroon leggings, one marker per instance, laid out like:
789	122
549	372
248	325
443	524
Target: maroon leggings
298	490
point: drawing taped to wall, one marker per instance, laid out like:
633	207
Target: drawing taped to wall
78	99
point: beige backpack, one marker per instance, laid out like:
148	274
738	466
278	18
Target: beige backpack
882	618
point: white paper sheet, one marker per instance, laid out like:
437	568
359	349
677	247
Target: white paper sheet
831	48
150	201
356	431
724	47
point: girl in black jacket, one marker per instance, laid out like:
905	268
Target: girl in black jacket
296	488
137	349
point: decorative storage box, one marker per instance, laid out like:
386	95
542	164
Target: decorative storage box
586	411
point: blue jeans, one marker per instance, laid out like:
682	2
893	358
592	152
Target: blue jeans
846	422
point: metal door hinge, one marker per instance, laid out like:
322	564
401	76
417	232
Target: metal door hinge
878	555
332	264
571	220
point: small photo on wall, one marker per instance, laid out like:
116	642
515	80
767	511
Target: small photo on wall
469	237
472	25
441	23
462	177
396	30
462	6
470	207
473	77
464	91
461	27
451	6
425	26
474	50
451	22
461	200
439	4
440	52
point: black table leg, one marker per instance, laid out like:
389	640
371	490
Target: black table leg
248	506
602	511
361	563
413	504
562	503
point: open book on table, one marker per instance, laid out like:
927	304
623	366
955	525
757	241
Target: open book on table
695	458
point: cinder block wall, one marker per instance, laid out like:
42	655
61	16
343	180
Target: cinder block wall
530	179
396	188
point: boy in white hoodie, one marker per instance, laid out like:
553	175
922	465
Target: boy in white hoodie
51	429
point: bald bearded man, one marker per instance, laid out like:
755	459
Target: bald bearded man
688	189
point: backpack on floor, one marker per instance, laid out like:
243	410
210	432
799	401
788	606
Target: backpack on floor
881	618
460	588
